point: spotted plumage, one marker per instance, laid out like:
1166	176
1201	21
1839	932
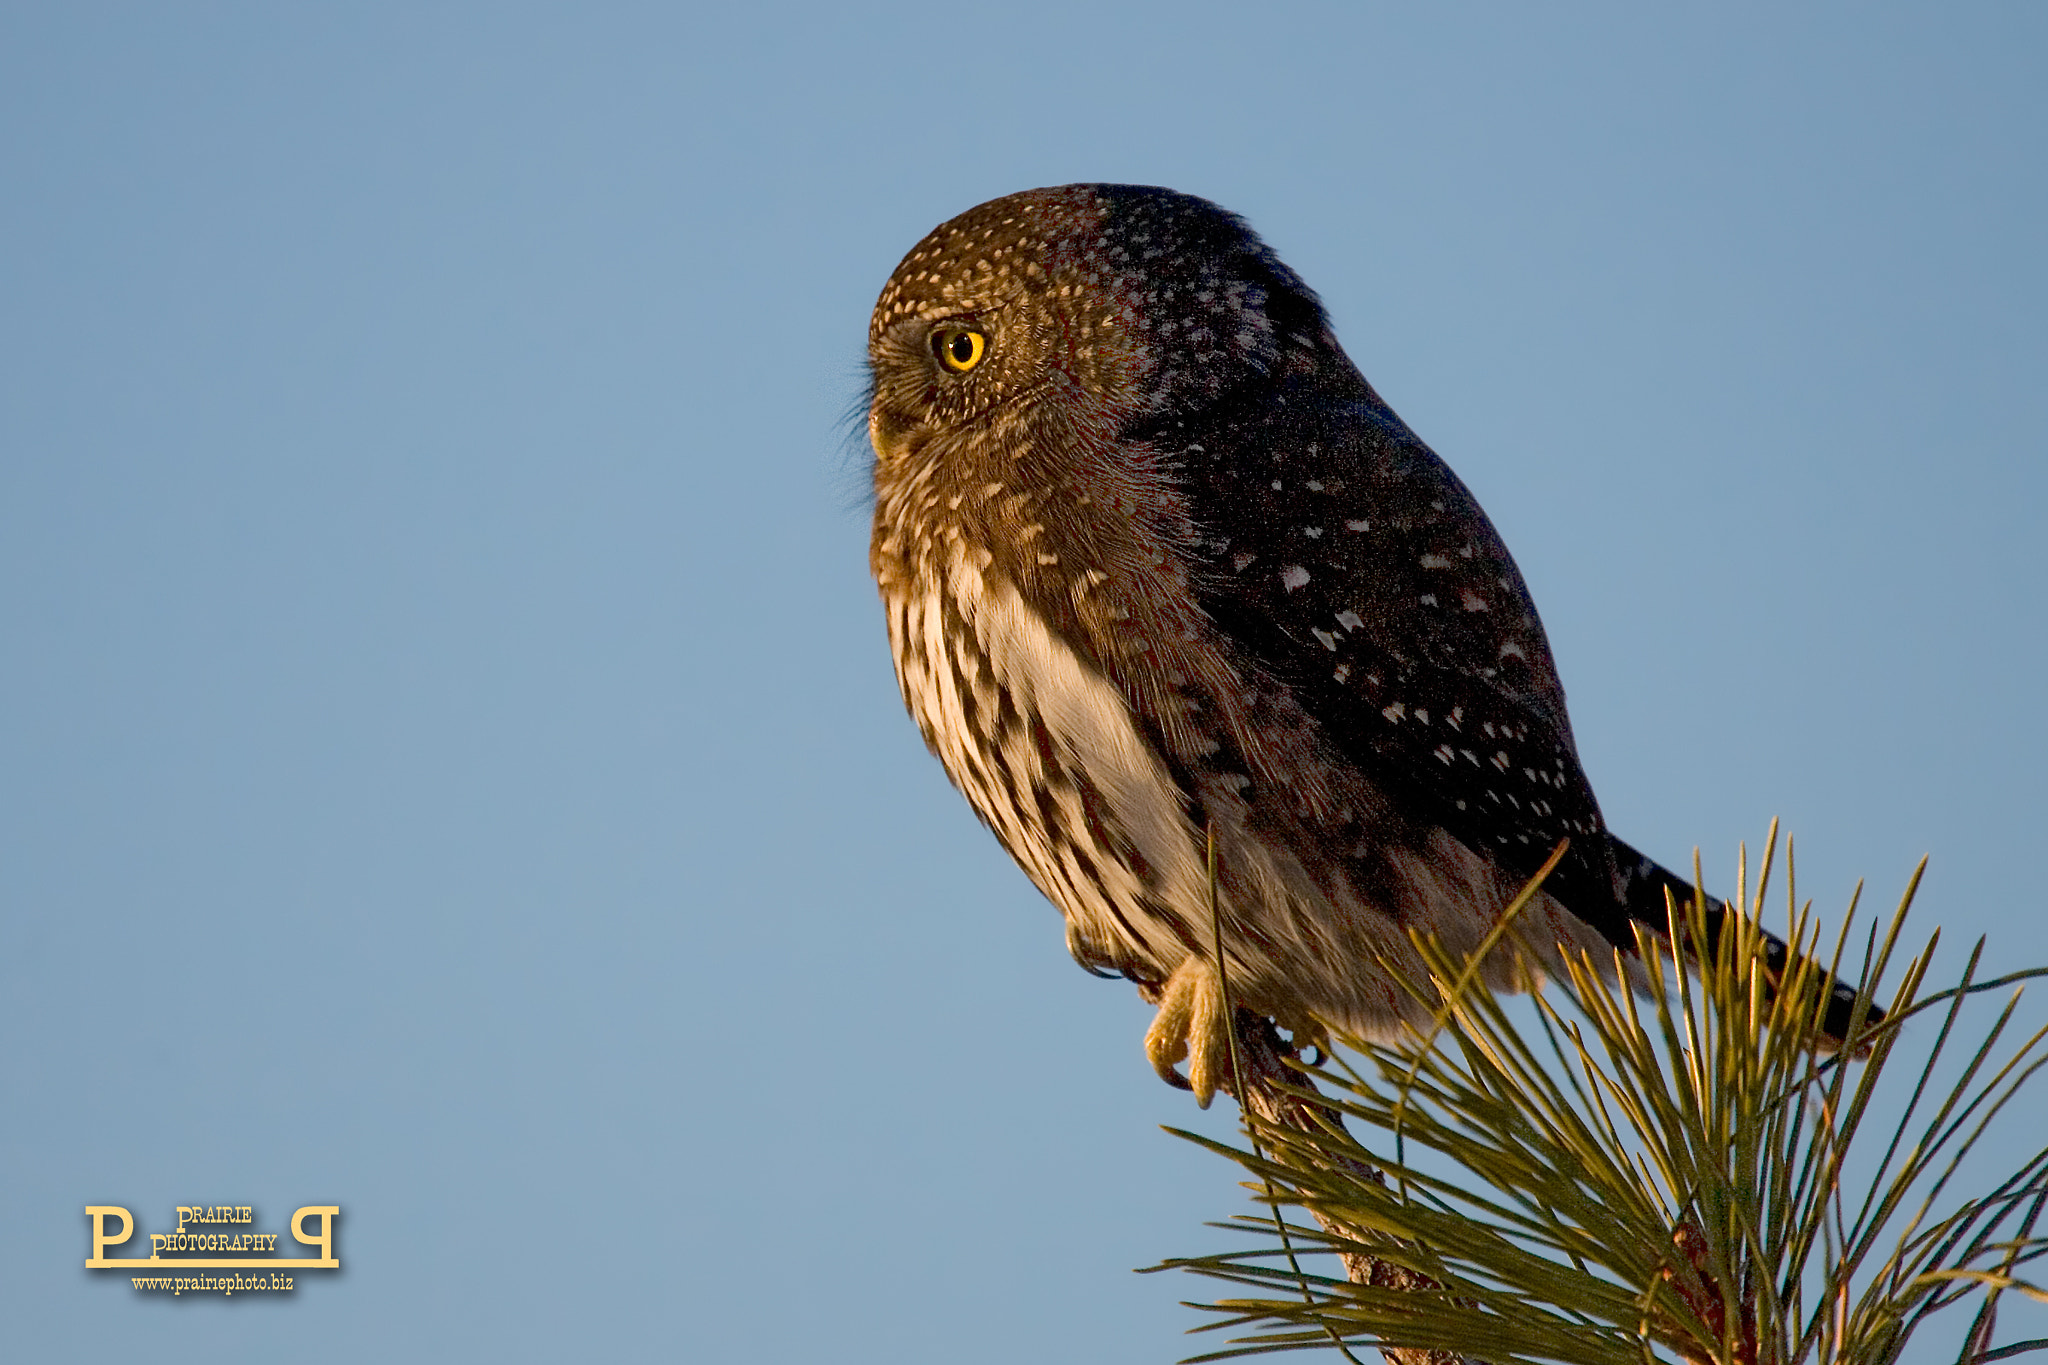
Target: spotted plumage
1158	562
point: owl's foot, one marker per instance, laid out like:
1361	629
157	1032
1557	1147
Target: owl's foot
1192	1024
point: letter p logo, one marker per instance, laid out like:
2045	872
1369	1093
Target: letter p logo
324	1238
101	1238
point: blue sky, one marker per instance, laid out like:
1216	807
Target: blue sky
449	764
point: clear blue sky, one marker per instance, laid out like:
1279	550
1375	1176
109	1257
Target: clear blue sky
449	764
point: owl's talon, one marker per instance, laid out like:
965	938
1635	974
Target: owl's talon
1191	1024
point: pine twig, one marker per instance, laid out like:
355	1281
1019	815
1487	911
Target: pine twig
1275	1096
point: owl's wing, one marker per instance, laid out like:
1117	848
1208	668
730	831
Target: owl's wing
1355	567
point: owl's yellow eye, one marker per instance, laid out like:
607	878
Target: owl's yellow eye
959	349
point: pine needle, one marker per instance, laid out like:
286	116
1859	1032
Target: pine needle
1669	1177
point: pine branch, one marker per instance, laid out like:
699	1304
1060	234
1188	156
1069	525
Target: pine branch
1635	1180
1277	1095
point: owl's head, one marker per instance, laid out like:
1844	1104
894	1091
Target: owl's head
1115	305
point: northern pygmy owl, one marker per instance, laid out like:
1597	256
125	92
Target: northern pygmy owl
1159	567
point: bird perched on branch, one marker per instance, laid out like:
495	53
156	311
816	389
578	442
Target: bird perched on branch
1160	566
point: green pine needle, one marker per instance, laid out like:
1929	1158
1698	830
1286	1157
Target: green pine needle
1675	1176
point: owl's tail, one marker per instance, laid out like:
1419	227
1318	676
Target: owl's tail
1645	883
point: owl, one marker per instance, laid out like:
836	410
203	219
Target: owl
1164	576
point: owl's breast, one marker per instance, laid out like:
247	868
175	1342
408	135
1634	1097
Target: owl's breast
1051	756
